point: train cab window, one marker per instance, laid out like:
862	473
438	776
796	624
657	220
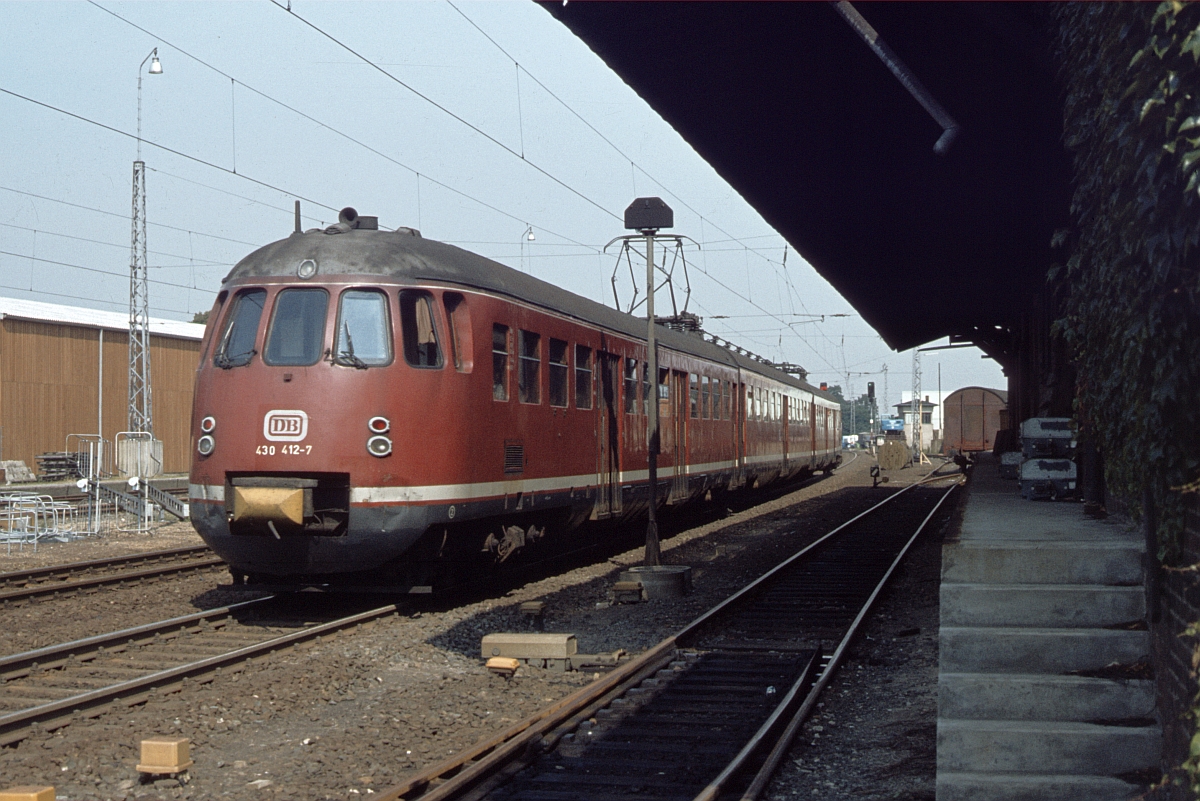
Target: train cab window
241	328
529	388
558	372
694	395
458	319
297	332
418	331
583	377
631	382
499	362
364	330
705	397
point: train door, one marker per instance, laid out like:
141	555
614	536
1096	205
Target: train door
812	429
608	440
785	414
741	425
679	418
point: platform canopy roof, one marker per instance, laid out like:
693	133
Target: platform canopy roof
802	118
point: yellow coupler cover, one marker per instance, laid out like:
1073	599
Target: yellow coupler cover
27	794
165	755
268	503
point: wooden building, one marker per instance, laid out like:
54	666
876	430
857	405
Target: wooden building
64	371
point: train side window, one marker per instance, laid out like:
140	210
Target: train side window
458	319
297	331
583	377
726	398
364	330
631	382
646	388
529	388
664	392
416	325
241	329
694	395
499	362
559	372
705	397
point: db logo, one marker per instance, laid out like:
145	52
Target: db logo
285	425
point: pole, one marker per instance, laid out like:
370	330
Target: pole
653	556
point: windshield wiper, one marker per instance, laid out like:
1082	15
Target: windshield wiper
240	360
347	357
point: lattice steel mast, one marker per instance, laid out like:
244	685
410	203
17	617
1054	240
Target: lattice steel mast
140	407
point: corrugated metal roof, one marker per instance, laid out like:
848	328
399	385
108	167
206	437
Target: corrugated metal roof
92	318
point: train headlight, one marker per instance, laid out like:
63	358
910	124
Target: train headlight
208	424
379	446
379	425
206	445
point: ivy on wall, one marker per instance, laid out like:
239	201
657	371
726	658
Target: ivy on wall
1131	83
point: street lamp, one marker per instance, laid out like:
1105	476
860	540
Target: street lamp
155	69
140	407
647	215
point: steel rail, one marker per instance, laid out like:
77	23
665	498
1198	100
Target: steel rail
76	567
484	766
54	588
779	750
21	664
15	726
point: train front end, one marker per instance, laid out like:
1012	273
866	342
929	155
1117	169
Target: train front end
307	413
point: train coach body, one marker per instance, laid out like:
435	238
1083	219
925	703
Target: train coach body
371	405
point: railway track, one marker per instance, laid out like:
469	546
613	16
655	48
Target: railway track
708	713
49	687
38	582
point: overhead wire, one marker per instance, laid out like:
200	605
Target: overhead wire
202	263
338	132
125	217
445	110
674	195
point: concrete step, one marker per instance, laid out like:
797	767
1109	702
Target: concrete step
1115	562
1013	696
1025	787
1057	605
1045	747
965	649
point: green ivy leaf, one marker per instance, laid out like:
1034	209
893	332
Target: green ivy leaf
1189	160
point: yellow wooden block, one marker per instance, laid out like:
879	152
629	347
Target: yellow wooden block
503	665
268	503
29	793
165	755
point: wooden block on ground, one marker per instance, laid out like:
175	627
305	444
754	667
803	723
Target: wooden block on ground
27	793
165	755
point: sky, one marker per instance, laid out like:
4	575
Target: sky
476	122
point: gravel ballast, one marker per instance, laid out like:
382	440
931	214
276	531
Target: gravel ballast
351	715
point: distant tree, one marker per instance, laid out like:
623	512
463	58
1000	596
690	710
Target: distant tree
200	317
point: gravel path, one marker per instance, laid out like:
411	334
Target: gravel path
349	716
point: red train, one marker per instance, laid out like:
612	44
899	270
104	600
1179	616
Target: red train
375	409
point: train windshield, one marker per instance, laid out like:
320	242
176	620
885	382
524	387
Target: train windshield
297	327
237	344
363	331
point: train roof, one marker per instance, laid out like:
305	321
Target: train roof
344	251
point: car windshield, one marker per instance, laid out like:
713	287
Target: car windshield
237	344
297	327
363	332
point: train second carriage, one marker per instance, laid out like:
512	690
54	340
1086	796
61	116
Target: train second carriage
374	409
